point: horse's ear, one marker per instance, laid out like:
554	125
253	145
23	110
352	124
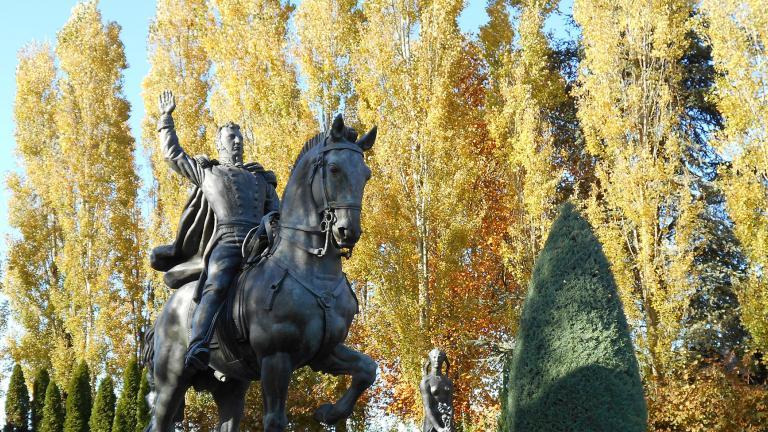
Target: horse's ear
366	142
337	128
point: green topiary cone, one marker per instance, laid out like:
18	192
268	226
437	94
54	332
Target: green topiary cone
574	367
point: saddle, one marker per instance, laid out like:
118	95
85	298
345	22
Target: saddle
230	335
259	241
230	326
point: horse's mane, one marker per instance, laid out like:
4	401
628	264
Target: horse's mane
309	145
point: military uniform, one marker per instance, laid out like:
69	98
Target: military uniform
239	199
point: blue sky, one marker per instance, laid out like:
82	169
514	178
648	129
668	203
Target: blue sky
39	20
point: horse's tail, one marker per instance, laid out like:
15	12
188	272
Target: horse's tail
148	359
148	351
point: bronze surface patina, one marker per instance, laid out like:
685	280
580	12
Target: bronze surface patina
237	316
437	393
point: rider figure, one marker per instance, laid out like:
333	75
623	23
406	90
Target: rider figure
238	196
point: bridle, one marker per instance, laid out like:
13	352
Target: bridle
328	219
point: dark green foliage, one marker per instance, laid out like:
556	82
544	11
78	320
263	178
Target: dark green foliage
17	403
53	412
573	368
38	398
103	413
142	407
125	413
78	406
503	424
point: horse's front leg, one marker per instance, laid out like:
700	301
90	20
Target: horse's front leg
345	361
276	372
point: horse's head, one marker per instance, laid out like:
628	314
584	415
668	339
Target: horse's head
332	164
339	177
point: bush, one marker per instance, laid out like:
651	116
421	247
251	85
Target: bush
78	407
707	398
53	412
17	403
574	367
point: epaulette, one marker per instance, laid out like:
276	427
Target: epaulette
270	177
205	161
256	168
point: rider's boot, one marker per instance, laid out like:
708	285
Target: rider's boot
203	321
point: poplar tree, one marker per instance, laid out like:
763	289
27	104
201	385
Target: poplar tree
79	401
327	31
53	413
420	79
37	405
103	412
178	62
33	275
738	33
632	105
17	403
530	90
125	412
254	83
96	196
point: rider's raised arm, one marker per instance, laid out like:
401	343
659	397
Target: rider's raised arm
176	157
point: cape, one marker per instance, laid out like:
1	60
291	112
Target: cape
185	260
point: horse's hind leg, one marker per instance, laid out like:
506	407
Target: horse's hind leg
345	361
230	400
170	387
276	372
168	401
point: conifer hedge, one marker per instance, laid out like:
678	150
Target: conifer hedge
17	403
103	413
142	407
38	398
125	412
53	411
79	402
574	368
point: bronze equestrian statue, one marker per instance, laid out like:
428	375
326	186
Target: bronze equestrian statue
437	393
231	319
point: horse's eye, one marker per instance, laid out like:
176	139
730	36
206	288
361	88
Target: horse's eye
334	169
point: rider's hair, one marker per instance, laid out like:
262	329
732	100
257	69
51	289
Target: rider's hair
230	125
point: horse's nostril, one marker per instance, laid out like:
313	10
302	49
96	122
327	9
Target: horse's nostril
343	232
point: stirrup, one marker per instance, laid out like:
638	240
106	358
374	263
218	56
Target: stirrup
197	359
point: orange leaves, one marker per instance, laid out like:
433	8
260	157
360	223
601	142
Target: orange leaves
707	398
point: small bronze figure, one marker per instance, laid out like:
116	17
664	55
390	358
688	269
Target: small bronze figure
437	393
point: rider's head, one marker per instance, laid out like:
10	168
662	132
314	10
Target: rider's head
229	143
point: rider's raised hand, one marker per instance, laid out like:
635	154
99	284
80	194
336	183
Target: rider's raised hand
167	102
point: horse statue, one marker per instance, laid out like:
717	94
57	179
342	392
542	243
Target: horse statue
290	309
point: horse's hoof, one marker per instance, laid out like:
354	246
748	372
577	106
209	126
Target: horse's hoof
324	414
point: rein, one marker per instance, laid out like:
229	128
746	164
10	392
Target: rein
328	220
